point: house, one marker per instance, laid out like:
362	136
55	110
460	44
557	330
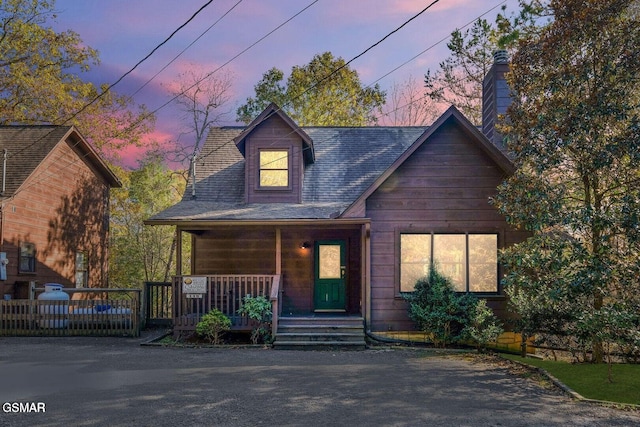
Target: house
54	209
343	220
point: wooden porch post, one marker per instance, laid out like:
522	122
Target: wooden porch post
276	309
278	251
178	251
365	253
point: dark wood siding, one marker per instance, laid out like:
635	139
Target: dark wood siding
235	251
273	134
298	268
252	250
443	187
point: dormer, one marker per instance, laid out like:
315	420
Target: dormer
276	151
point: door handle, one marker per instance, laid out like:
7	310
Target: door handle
343	270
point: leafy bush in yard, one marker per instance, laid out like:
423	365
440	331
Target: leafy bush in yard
439	311
449	316
484	327
258	309
213	325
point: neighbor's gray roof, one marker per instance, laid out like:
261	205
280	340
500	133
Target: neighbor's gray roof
347	161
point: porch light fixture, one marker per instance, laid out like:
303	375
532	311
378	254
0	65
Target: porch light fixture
305	245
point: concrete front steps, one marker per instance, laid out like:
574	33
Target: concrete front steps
321	332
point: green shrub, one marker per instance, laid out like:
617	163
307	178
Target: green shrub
439	311
258	309
213	325
484	327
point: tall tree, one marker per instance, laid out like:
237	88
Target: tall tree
142	253
409	105
458	80
203	101
326	91
573	129
38	66
40	80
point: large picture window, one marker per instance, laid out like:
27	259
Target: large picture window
27	258
274	168
469	260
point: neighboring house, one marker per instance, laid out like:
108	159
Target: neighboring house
348	218
54	209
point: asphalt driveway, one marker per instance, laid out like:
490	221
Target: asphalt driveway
116	382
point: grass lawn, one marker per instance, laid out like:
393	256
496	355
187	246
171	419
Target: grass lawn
591	381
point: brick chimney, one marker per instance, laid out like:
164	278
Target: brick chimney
495	97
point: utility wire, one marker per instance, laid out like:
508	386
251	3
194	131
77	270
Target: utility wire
219	68
103	93
187	89
186	48
335	71
433	45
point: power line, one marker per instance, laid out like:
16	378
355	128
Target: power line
171	100
334	72
433	45
103	93
221	66
141	61
186	48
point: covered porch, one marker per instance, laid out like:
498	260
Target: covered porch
306	268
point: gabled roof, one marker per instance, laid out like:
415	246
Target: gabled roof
348	160
27	146
271	110
351	163
474	134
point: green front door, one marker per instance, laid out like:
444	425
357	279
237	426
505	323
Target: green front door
330	276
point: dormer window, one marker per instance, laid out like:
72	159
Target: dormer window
276	152
274	169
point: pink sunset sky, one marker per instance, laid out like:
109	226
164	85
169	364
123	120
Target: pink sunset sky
124	32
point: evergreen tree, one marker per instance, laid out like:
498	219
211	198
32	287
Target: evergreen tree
574	132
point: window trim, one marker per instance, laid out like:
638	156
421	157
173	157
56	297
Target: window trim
289	186
33	260
499	244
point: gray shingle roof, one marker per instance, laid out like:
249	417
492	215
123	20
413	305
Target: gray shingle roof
347	161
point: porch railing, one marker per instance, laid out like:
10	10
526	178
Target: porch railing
114	312
158	304
276	306
225	293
